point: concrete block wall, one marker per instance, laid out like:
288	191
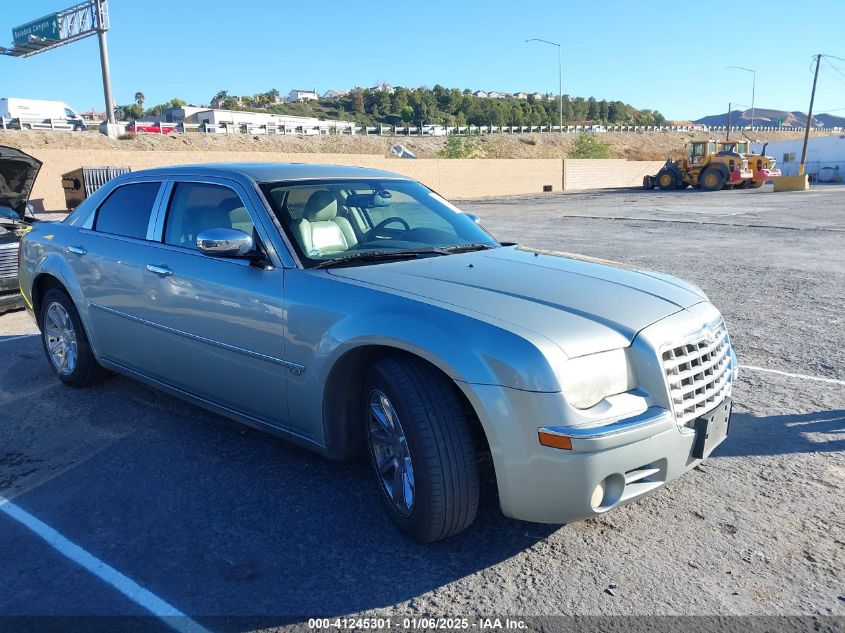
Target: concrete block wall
581	174
452	178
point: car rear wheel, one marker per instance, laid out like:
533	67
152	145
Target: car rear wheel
65	342
420	448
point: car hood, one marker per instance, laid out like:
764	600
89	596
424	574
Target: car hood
582	304
18	172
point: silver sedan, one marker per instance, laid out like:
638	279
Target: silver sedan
356	311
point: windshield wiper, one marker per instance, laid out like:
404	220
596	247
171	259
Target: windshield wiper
375	256
463	248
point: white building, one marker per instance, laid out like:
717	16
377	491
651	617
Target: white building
825	157
520	95
303	95
335	94
480	94
222	121
384	87
496	95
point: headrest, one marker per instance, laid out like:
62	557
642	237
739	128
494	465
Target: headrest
321	206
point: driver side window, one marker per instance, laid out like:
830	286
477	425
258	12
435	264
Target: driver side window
196	207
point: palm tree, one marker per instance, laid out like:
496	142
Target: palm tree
139	98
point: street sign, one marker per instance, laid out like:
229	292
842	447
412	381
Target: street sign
46	27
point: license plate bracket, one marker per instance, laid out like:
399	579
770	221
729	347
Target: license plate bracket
711	430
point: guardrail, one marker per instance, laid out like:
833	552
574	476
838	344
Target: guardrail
397	130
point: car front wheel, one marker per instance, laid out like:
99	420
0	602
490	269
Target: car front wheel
65	342
420	448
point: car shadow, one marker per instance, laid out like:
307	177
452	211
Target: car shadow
817	432
240	529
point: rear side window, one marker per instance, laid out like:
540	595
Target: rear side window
127	210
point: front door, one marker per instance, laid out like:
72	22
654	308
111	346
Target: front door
217	323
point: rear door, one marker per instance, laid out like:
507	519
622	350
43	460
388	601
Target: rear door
217	323
108	260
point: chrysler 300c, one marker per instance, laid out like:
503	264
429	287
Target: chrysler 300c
355	311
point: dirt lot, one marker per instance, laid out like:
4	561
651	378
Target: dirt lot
220	521
645	146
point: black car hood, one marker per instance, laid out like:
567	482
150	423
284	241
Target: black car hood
18	172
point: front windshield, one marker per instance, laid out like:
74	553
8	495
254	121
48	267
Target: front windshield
341	219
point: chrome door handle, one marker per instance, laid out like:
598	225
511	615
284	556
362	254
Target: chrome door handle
159	270
76	250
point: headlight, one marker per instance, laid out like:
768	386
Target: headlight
589	379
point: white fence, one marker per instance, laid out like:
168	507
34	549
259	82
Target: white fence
396	130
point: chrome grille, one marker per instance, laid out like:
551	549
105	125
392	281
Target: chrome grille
9	261
698	372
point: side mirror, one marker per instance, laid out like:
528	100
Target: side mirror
473	217
224	243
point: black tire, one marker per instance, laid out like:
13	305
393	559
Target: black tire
439	444
754	184
666	180
86	370
712	180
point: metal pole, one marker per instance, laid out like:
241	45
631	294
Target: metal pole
753	87
560	84
728	134
559	71
753	90
104	61
809	117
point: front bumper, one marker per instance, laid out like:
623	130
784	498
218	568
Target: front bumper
635	452
537	483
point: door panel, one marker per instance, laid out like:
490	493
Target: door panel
108	262
217	324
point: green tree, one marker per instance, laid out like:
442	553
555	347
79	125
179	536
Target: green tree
358	101
588	146
592	109
139	99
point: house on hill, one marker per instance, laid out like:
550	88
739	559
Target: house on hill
303	95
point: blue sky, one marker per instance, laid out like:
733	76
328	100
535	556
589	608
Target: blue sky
662	55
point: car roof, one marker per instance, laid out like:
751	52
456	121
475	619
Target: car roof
271	172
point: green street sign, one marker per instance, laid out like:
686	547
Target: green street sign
46	27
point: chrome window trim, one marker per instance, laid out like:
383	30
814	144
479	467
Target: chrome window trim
295	368
113	236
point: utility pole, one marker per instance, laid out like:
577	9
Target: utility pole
559	73
728	135
753	88
102	27
809	117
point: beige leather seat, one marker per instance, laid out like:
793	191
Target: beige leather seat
321	231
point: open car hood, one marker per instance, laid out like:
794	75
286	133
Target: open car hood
18	172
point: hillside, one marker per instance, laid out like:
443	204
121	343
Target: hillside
634	146
764	116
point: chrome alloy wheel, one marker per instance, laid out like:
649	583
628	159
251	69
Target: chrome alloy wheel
60	337
389	449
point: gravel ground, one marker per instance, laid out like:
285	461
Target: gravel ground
219	520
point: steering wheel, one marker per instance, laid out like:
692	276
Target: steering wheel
378	227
